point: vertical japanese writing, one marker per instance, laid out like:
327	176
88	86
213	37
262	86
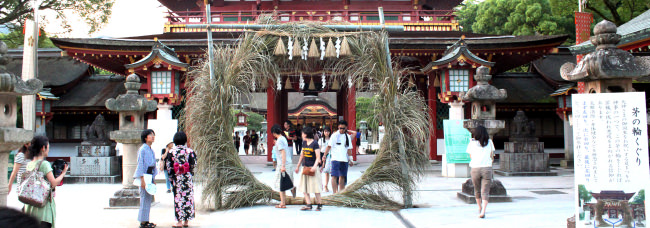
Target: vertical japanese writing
636	132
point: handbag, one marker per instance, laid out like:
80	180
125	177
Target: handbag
306	170
285	182
34	189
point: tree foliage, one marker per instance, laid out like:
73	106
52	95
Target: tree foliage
639	198
541	17
16	38
95	13
584	194
366	111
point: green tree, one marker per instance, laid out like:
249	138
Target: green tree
584	194
366	111
95	13
16	38
639	198
254	121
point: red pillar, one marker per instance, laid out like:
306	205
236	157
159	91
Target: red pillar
433	139
352	117
271	119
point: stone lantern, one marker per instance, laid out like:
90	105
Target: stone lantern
608	69
483	97
11	138
131	108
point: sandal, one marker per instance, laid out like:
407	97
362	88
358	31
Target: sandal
147	225
306	208
319	207
280	206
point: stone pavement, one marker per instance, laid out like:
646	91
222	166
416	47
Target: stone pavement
537	202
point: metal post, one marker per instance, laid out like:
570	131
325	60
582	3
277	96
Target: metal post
208	17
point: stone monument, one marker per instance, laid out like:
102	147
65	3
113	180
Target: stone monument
131	106
524	154
483	97
96	161
11	138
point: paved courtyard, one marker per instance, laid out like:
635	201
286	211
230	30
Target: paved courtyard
85	205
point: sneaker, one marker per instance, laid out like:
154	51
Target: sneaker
169	191
273	170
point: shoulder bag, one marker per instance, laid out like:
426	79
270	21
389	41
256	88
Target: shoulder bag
35	190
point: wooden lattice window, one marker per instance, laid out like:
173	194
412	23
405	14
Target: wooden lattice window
458	80
161	82
442	113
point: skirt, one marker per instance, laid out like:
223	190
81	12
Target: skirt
310	184
278	174
328	164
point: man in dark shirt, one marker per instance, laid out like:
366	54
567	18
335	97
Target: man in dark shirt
254	141
247	142
298	140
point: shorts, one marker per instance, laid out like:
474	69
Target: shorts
339	169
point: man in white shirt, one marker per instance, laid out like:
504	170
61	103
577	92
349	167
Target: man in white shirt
340	145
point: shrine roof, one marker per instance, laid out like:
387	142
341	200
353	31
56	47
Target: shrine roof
161	51
564	89
635	30
454	52
92	91
549	65
523	87
53	69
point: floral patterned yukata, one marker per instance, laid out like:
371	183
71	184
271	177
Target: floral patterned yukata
182	184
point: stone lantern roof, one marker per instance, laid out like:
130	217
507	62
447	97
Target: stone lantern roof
132	100
483	91
608	61
10	84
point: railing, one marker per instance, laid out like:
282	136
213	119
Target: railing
355	17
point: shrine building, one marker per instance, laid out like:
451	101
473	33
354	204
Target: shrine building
441	60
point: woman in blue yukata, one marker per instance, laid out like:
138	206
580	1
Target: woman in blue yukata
146	165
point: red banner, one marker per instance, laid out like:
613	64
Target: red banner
583	30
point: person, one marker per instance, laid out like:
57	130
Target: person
163	164
38	151
247	142
235	138
282	154
146	165
309	159
290	133
181	171
327	157
357	141
340	146
297	141
255	139
20	162
481	153
13	218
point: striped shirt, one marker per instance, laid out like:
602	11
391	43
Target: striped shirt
20	159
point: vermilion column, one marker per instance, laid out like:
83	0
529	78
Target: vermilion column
433	139
352	117
271	119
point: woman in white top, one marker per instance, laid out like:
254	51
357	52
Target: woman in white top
20	162
327	157
481	152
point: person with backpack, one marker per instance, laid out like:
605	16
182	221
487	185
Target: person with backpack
181	172
38	151
481	153
340	147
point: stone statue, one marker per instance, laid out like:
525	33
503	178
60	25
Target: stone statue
523	127
96	132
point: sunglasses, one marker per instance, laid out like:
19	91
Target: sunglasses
341	128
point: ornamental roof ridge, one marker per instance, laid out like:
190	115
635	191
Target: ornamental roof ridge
159	50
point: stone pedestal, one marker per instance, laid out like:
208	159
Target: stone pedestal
95	151
131	107
524	154
94	164
567	162
498	193
11	138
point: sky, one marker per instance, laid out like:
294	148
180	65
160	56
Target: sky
129	18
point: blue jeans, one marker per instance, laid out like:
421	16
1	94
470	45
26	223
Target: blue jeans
169	184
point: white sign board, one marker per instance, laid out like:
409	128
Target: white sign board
611	159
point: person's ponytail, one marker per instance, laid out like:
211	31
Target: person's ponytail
36	147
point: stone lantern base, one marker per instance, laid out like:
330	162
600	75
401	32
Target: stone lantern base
498	193
127	198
